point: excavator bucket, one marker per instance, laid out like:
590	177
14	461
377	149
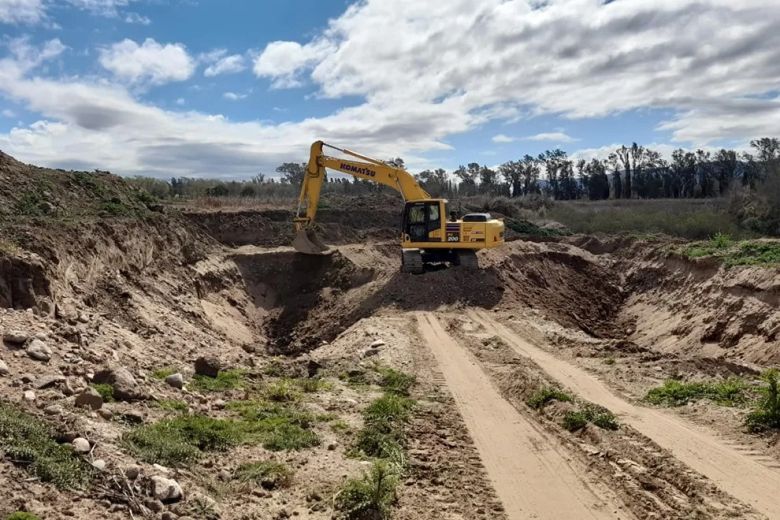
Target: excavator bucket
307	242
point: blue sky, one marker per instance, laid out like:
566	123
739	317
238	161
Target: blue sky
216	88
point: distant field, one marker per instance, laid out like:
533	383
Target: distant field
689	218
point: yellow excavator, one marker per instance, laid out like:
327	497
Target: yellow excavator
427	235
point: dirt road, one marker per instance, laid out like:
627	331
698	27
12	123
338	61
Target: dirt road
530	471
739	474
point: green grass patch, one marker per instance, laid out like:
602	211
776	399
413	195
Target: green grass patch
395	381
105	390
312	385
162	373
267	474
282	391
21	515
382	435
526	227
544	395
276	426
370	496
677	393
227	380
601	417
766	413
731	254
574	420
177	441
27	441
172	405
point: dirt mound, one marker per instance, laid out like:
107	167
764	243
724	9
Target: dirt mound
274	227
703	309
31	191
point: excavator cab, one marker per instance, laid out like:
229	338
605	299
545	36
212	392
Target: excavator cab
422	220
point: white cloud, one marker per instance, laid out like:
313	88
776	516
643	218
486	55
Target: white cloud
501	138
137	19
559	137
100	7
181	101
232	96
7	112
574	58
22	11
283	60
448	68
149	62
221	64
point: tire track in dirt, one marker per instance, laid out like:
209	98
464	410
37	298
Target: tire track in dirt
736	473
530	470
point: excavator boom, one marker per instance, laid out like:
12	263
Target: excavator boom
367	168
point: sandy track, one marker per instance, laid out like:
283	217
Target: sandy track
529	470
736	473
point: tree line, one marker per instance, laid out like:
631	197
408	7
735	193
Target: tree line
627	172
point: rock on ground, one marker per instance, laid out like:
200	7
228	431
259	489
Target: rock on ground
208	366
15	336
3	368
38	350
175	380
81	445
125	386
90	398
165	489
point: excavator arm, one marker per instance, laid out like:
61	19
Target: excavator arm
366	168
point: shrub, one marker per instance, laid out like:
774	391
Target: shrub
370	496
546	394
574	420
28	441
677	393
767	411
601	417
227	380
182	439
311	385
390	408
105	390
268	474
395	381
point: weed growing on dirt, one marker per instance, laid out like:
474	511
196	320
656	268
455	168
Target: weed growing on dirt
767	412
162	373
370	496
278	427
227	380
267	474
339	426
283	391
395	381
733	254
27	441
546	394
21	515
574	420
601	417
677	393
183	439
312	385
172	405
390	408
609	360
105	390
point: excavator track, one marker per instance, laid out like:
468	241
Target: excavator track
412	261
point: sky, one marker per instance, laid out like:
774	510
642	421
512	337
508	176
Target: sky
229	89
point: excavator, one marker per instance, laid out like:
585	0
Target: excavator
427	235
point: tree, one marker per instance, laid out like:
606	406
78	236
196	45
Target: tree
468	179
488	180
725	168
292	173
683	173
593	177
